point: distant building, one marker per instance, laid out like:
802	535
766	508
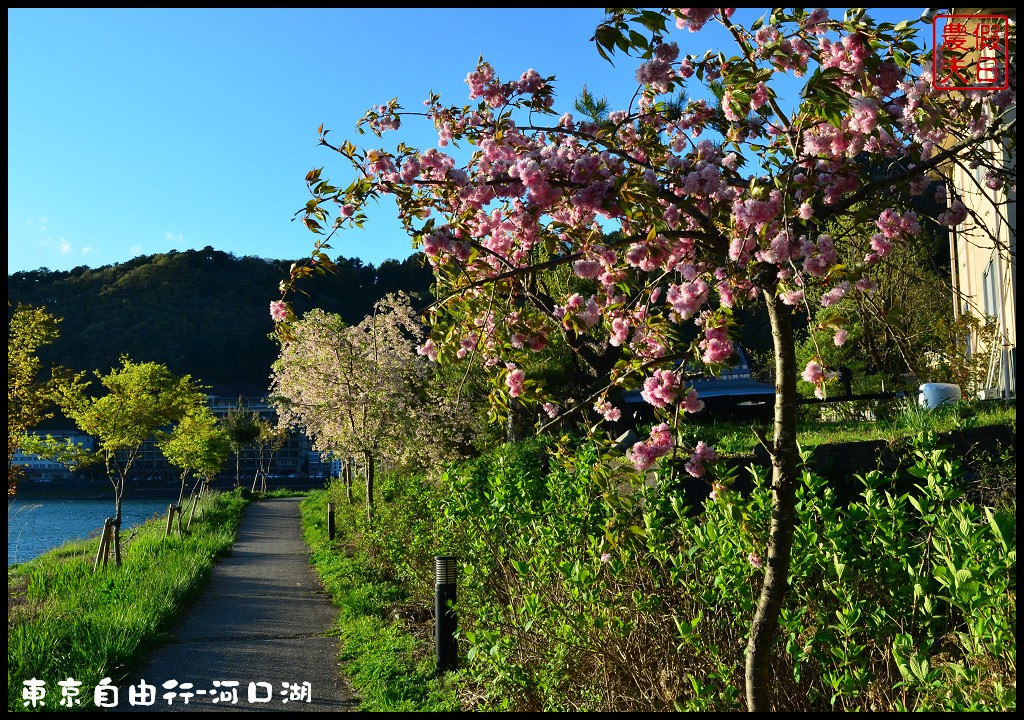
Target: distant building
42	470
295	457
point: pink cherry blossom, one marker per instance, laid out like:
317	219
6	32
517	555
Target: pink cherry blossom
814	372
514	380
608	411
661	388
278	310
645	453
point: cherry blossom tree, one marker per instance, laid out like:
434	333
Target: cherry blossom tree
357	390
676	210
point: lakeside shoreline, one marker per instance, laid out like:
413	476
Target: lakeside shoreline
100	490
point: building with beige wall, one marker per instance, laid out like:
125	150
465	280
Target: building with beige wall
983	255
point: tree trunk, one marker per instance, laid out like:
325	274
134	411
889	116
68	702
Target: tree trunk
116	538
519	425
347	471
368	469
784	483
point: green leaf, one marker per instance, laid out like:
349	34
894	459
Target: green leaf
919	666
1003	528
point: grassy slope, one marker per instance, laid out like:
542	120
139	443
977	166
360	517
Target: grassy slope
390	669
64	620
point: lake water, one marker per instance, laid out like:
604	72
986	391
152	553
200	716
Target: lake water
35	525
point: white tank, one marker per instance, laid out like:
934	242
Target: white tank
933	395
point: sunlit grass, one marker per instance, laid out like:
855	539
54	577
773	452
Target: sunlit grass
66	621
389	669
893	422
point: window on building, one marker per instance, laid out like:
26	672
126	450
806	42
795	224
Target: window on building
990	291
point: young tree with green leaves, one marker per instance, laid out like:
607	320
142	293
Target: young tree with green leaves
29	396
243	430
271	438
198	445
137	401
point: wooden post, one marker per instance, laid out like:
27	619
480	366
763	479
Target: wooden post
111	539
192	512
330	521
170	520
104	540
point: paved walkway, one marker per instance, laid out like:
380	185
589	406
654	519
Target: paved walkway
263	618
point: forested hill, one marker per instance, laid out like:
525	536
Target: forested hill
203	312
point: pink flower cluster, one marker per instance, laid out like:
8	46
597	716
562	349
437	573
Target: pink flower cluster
820	257
691	403
278	310
834	295
716	344
586	312
608	411
757	213
880	247
438	243
955	215
514	379
814	372
693	19
893	224
428	349
701	454
687	299
848	55
661	389
645	453
863	117
658	73
792	296
815	21
384	118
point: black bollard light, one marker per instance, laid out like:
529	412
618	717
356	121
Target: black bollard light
445	622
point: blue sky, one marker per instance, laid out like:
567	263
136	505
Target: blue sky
137	131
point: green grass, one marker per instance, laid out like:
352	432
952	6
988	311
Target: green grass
64	620
390	669
896	421
281	493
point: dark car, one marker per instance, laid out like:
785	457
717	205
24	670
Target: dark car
733	393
